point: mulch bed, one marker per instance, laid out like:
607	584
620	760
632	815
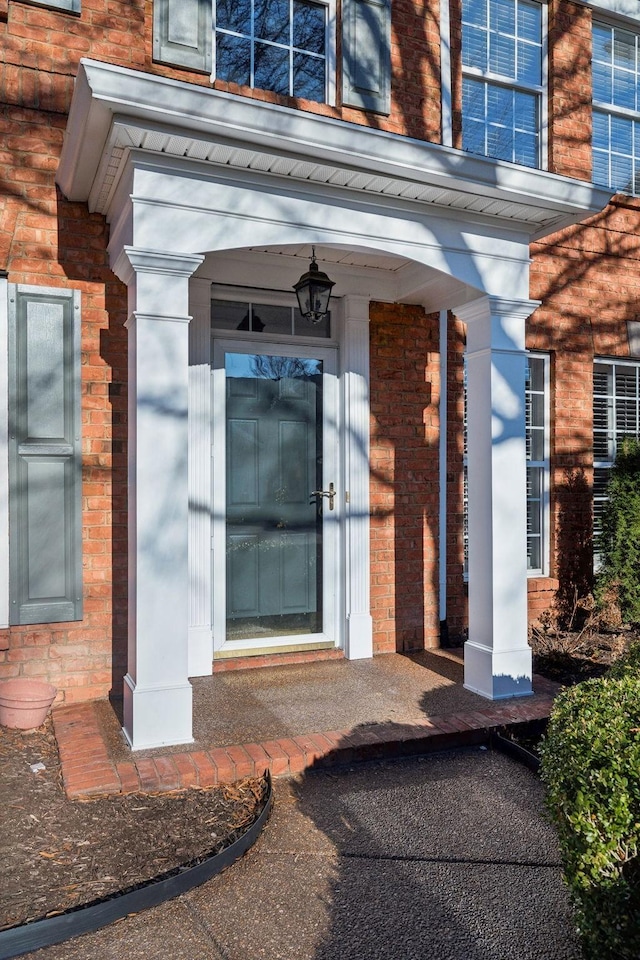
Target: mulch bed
57	854
568	657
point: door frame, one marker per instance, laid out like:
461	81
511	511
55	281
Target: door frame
332	551
350	329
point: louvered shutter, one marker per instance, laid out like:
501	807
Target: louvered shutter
182	33
45	534
366	54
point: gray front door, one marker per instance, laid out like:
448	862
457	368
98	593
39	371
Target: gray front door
276	460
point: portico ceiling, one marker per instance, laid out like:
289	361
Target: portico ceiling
116	111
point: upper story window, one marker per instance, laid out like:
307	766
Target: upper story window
286	46
502	82
278	45
616	108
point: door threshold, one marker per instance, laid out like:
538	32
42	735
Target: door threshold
272	650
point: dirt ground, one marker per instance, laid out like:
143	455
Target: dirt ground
57	854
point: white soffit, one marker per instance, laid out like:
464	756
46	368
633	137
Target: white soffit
115	110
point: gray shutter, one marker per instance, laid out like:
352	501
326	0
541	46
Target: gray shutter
182	33
366	54
45	532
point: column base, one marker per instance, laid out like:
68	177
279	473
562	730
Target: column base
497	676
359	644
157	716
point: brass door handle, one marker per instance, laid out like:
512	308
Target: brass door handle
330	493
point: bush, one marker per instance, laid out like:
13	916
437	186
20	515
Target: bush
627	666
591	769
619	575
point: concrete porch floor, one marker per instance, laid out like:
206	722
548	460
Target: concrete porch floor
291	717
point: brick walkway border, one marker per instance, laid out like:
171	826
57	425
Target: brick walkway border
88	771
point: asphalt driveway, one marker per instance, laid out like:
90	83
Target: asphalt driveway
443	858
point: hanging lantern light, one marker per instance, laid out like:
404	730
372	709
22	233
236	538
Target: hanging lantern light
313	291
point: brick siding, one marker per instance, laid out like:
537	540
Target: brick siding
405	426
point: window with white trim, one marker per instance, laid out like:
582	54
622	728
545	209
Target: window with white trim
71	6
616	414
537	446
277	45
537	418
502	79
616	107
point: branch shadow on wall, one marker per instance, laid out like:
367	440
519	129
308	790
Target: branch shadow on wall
574	554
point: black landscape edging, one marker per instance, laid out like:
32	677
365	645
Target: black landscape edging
512	749
48	931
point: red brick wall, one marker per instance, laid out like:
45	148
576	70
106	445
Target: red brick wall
405	388
589	280
45	240
569	89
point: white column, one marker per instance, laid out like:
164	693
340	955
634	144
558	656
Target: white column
157	693
200	527
497	657
355	365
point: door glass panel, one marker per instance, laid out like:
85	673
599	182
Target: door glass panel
273	523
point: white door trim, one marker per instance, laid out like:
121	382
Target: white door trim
333	526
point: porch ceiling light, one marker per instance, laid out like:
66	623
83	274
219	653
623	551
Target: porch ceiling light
313	291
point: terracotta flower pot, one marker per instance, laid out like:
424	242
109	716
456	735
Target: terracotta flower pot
25	703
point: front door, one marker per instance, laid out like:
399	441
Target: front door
276	497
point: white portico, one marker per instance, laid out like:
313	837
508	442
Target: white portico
201	187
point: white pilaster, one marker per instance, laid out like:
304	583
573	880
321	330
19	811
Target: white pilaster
355	361
497	658
157	693
200	526
4	454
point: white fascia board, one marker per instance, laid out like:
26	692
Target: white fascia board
626	9
103	90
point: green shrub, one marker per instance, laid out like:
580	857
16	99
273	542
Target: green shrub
619	574
591	769
628	665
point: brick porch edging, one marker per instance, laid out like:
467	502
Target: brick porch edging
88	771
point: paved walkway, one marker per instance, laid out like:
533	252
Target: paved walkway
447	857
289	719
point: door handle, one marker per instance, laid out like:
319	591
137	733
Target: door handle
330	493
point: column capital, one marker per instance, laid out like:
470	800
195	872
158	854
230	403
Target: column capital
487	307
133	260
200	291
495	323
356	307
